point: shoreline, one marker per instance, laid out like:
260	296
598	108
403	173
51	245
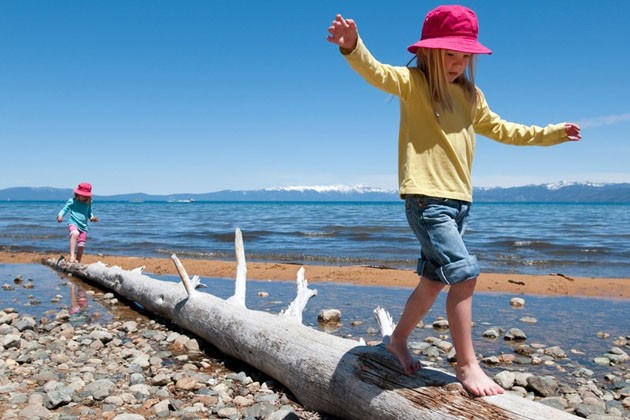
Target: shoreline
553	284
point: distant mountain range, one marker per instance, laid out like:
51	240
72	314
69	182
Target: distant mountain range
560	192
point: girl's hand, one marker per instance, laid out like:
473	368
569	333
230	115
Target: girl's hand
573	131
59	219
343	32
94	219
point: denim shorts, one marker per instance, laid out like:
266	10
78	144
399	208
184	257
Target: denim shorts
439	225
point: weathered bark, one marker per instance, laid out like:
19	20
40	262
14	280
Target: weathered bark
326	373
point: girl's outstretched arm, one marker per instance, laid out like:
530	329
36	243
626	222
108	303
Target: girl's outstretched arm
344	33
573	131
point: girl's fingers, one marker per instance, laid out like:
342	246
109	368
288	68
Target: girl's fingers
340	28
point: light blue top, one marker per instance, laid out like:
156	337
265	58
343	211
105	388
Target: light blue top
80	213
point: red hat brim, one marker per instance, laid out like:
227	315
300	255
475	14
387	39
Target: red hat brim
83	193
465	45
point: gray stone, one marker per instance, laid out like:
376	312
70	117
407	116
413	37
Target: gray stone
515	334
136	378
283	414
431	352
441	324
586	410
18	398
494	332
99	390
130	326
602	360
261	410
11	341
140	391
556	352
127	416
163	406
528	320
60	395
524	350
329	315
543	385
520	378
558	403
25	323
161	379
227	413
33	411
505	379
270	398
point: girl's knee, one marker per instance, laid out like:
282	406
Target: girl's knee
466	286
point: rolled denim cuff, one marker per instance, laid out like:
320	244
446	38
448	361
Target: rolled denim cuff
459	271
427	270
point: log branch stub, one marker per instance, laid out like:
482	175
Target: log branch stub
190	290
240	285
296	307
385	321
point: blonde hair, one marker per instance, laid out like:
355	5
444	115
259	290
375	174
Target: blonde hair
431	63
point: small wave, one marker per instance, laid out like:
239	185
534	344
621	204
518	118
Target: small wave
197	255
593	251
317	234
40	236
520	243
293	258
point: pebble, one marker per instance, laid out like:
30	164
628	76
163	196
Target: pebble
125	371
327	316
141	368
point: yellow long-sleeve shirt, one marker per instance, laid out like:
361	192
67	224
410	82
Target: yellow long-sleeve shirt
435	153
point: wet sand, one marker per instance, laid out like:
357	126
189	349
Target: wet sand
553	284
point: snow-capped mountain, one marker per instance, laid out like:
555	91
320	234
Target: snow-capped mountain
569	192
560	192
343	189
562	184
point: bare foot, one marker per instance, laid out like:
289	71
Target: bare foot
400	350
476	381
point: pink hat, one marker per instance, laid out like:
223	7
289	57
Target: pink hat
84	189
450	28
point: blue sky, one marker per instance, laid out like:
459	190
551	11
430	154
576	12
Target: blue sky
199	96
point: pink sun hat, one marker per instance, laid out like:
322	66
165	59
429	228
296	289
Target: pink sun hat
450	27
84	189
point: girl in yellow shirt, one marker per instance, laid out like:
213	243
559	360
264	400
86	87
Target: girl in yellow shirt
441	109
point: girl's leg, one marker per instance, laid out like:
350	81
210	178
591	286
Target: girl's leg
81	239
417	306
459	312
79	253
73	244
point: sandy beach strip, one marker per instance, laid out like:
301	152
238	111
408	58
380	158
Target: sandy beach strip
553	284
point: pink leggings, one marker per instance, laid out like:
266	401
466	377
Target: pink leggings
82	235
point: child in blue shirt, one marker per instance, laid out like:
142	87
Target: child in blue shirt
80	208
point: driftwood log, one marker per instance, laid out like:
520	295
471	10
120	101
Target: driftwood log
326	373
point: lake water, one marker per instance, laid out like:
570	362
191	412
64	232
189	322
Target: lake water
591	240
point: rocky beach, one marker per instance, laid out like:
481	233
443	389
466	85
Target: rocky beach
124	363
